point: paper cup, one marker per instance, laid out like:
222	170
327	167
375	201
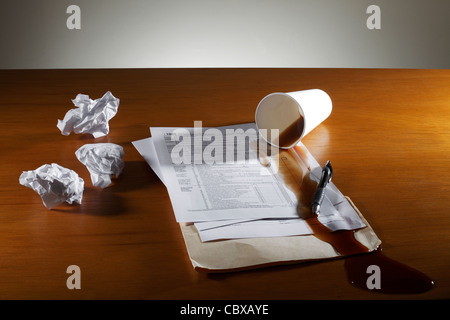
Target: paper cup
283	119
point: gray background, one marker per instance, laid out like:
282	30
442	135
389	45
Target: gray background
225	33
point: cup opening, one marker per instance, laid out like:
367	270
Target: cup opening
279	111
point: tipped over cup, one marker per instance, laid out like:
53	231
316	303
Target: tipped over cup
283	119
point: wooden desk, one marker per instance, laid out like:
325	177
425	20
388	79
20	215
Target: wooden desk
388	138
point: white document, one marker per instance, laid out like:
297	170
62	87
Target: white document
262	228
147	150
336	212
231	190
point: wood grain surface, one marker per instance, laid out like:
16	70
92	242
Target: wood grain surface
388	138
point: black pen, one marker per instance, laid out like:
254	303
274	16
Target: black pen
327	174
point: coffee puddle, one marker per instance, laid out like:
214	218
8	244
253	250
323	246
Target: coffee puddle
394	277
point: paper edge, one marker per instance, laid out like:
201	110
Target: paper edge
198	251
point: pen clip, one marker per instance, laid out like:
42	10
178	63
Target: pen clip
327	175
328	165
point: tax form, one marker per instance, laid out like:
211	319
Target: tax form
242	199
237	189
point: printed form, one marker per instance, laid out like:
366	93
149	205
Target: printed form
236	189
242	198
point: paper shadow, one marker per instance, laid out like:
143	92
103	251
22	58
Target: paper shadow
88	136
274	267
96	201
135	175
109	201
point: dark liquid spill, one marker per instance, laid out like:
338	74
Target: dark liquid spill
291	134
395	277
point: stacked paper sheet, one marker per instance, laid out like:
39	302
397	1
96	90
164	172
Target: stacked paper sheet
240	198
252	209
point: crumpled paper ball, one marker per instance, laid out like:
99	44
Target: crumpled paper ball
55	184
102	160
90	116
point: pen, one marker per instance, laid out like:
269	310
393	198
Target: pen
327	174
